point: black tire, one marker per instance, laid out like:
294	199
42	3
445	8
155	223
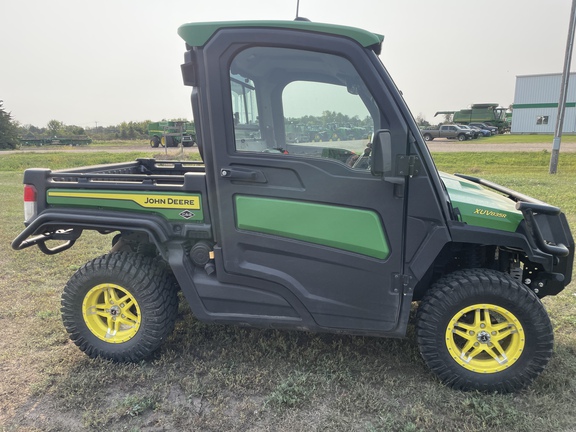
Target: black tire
168	141
523	343
428	137
154	142
135	298
461	137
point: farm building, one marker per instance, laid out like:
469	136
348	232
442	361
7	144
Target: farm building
536	104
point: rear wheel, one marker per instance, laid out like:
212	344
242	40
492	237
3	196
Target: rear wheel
483	330
428	137
120	307
154	142
168	141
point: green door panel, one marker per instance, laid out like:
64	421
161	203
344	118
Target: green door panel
350	229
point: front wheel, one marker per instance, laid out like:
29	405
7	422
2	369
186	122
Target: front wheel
483	330
461	137
120	307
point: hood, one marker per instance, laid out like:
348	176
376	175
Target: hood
481	207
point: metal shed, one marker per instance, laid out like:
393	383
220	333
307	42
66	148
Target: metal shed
536	104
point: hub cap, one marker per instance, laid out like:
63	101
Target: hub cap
111	313
485	338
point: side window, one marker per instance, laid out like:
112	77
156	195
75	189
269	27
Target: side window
327	120
302	103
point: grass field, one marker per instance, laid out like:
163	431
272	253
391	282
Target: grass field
225	378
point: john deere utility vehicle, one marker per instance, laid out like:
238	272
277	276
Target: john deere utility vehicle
331	236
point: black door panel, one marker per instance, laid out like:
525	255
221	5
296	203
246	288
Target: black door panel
295	206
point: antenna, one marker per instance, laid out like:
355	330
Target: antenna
298	17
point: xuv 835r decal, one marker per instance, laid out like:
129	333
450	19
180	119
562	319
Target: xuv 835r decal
173	206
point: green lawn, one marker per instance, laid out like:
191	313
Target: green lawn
227	378
58	160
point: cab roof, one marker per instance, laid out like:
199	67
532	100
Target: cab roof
197	34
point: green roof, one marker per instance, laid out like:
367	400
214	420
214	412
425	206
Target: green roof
197	34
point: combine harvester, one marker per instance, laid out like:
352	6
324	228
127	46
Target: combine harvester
491	114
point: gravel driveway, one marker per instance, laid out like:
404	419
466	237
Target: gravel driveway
444	145
119	148
438	145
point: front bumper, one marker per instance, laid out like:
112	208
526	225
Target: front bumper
548	234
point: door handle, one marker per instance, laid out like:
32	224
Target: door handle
242	175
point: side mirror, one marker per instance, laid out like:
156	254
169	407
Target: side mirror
390	161
382	154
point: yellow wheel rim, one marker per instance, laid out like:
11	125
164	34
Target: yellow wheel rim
111	313
485	338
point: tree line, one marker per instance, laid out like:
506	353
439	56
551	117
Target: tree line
54	128
331	117
8	129
12	132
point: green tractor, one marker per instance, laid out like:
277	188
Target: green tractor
171	134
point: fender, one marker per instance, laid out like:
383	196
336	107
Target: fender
59	224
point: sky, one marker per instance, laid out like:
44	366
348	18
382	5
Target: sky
89	63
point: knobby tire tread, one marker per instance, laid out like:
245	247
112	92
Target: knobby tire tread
450	294
149	282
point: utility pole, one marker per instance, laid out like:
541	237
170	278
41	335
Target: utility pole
563	92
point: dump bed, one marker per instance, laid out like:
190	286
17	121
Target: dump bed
157	197
144	175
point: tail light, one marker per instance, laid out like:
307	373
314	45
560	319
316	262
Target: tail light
30	196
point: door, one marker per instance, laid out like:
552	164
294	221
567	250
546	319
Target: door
297	206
